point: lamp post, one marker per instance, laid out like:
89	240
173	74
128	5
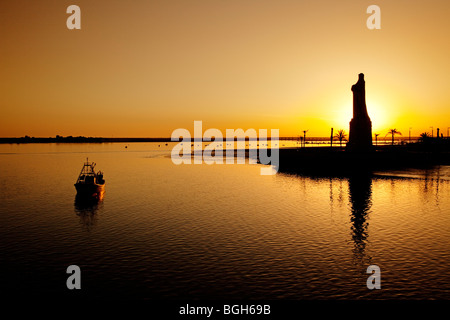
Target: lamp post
331	139
432	132
447	131
410	134
304	137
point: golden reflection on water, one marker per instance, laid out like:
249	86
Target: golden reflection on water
390	202
198	228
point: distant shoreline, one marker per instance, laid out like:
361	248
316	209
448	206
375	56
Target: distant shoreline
79	140
70	139
111	140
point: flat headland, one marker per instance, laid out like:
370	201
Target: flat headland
339	161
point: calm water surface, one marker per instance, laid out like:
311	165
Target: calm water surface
217	231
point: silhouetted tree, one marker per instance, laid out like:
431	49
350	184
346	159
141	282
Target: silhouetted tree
424	137
341	136
393	132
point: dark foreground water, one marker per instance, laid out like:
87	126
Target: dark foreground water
217	231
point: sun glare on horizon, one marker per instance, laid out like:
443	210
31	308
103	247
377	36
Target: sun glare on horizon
378	115
377	112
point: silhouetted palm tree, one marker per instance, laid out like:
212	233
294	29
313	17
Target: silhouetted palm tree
340	135
424	136
393	132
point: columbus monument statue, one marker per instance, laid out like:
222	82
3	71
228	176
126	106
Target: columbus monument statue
360	138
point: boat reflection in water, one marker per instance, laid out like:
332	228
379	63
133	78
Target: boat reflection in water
87	207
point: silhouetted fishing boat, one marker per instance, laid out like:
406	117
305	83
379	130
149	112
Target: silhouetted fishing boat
89	182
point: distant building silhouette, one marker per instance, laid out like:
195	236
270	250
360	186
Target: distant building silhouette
360	137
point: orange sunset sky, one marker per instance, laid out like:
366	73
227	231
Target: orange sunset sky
145	68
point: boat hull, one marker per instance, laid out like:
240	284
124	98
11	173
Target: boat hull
93	190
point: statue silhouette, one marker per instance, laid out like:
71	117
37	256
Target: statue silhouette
360	138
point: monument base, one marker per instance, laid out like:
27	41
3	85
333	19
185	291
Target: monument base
360	138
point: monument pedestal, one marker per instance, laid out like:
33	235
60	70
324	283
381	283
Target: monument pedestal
360	138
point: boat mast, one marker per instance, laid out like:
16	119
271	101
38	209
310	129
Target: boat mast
85	170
